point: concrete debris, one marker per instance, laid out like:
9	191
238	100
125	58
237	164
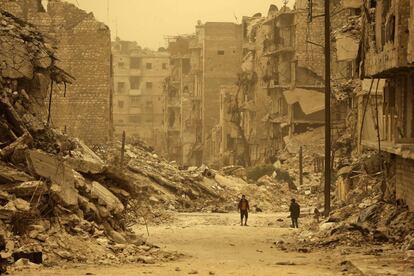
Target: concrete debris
9	174
59	201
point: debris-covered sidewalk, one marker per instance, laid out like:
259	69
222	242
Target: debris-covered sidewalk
364	228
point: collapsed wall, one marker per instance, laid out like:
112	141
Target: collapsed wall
58	201
81	109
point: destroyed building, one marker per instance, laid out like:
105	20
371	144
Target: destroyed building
59	201
84	108
201	64
279	83
282	79
385	107
183	101
139	76
221	53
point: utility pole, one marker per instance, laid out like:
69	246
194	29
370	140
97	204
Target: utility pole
301	166
327	189
123	148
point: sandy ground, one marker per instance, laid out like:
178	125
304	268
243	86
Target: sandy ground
216	244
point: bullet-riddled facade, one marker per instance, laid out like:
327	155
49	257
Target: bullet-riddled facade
139	76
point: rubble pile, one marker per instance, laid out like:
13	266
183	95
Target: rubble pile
366	216
158	183
312	144
378	223
265	195
353	27
162	185
53	204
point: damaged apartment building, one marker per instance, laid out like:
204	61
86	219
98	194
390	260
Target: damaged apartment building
139	76
183	101
280	89
201	64
81	109
386	106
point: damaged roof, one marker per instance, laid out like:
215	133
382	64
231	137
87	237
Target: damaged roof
310	101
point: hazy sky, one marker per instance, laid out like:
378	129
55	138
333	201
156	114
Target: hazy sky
147	21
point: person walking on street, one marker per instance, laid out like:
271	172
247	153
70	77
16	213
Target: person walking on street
294	210
244	210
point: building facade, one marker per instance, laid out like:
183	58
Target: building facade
386	109
139	101
201	63
221	58
82	109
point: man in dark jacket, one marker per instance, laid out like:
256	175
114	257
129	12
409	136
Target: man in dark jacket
294	210
244	210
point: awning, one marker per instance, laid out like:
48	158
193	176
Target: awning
352	4
310	101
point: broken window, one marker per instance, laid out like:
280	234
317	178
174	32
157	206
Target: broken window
149	106
148	85
185	90
121	87
135	100
135	82
135	63
134	119
398	111
230	142
220	52
171	118
406	134
148	66
186	66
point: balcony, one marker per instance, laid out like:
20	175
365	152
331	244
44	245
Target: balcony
135	92
135	72
284	42
173	102
383	63
387	51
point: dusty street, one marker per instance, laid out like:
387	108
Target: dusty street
215	244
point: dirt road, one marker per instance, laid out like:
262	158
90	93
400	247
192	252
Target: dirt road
215	244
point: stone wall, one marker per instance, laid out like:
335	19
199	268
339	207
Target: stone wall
405	181
84	51
411	32
310	55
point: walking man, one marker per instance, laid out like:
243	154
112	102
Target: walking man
244	210
294	210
